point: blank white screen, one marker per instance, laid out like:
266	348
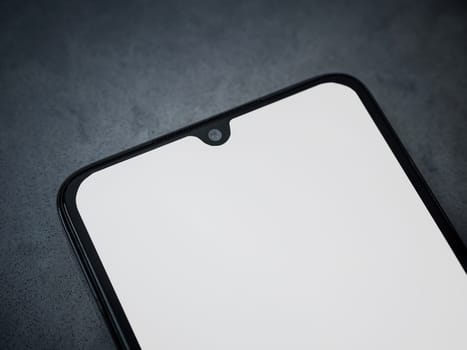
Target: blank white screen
301	232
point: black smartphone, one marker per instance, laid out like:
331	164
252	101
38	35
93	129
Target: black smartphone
296	221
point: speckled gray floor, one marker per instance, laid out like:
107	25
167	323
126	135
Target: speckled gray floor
80	80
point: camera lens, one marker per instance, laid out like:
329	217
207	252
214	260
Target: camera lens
215	135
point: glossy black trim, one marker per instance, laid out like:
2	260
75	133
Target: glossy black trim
83	246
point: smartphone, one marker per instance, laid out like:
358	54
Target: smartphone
296	221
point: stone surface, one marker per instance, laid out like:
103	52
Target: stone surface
80	80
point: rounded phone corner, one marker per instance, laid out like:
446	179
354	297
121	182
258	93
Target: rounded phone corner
69	188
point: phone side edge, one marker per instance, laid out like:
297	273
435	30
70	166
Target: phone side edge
119	327
409	167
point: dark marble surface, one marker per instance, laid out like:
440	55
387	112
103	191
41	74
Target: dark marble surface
80	80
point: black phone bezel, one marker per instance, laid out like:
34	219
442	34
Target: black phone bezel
87	255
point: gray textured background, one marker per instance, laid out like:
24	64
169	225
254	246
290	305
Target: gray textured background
82	80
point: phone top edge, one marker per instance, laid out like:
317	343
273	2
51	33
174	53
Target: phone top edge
340	78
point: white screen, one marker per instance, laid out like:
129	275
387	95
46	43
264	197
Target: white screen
300	232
